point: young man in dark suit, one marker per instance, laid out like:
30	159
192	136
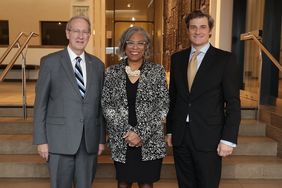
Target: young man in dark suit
68	122
204	115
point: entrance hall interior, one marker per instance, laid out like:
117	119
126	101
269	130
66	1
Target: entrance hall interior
251	29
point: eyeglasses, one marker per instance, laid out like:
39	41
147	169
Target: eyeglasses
139	44
78	32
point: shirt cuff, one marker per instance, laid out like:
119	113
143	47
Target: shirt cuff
228	143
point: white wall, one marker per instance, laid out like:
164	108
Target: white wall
222	11
25	16
33	55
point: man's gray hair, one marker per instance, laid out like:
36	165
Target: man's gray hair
68	27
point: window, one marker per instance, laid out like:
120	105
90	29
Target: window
4	32
120	15
53	33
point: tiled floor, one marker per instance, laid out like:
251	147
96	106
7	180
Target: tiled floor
109	183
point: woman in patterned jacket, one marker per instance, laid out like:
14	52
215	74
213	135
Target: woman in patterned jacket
135	102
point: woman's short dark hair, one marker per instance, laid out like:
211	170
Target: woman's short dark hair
126	36
199	14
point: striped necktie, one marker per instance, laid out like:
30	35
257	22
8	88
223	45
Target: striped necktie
79	76
192	69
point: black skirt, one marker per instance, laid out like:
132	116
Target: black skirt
136	170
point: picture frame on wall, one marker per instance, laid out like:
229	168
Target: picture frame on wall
81	11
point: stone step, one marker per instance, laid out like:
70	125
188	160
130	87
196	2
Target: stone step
253	167
17	111
15	74
17	125
252	128
248	113
256	146
163	183
22	144
252	146
17	144
234	167
22	166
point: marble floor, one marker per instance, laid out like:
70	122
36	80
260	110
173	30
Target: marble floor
109	183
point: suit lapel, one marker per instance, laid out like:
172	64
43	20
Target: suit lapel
186	61
66	62
90	74
183	70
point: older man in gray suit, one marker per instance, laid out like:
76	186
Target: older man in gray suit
68	123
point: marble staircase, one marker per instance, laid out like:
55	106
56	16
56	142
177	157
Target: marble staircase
254	158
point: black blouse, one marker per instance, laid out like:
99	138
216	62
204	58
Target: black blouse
131	91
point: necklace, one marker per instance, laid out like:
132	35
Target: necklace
130	72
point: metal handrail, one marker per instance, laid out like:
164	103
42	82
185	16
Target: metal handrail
14	59
2	58
12	62
254	35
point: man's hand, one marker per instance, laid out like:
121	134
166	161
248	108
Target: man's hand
168	140
224	150
43	151
101	148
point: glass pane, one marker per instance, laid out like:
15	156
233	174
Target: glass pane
139	10
121	14
252	57
4	32
120	27
53	33
252	68
112	57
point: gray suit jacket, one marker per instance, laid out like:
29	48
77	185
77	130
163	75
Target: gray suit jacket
60	114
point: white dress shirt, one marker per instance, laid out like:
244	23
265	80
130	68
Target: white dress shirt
82	63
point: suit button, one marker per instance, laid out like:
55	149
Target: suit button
189	104
81	120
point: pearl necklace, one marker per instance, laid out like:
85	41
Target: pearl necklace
130	72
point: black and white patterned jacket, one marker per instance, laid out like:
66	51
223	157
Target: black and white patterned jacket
152	103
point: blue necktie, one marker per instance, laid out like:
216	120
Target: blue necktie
79	76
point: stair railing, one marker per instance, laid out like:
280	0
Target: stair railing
20	35
19	52
14	59
256	37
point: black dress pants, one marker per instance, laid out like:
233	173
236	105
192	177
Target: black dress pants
196	169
